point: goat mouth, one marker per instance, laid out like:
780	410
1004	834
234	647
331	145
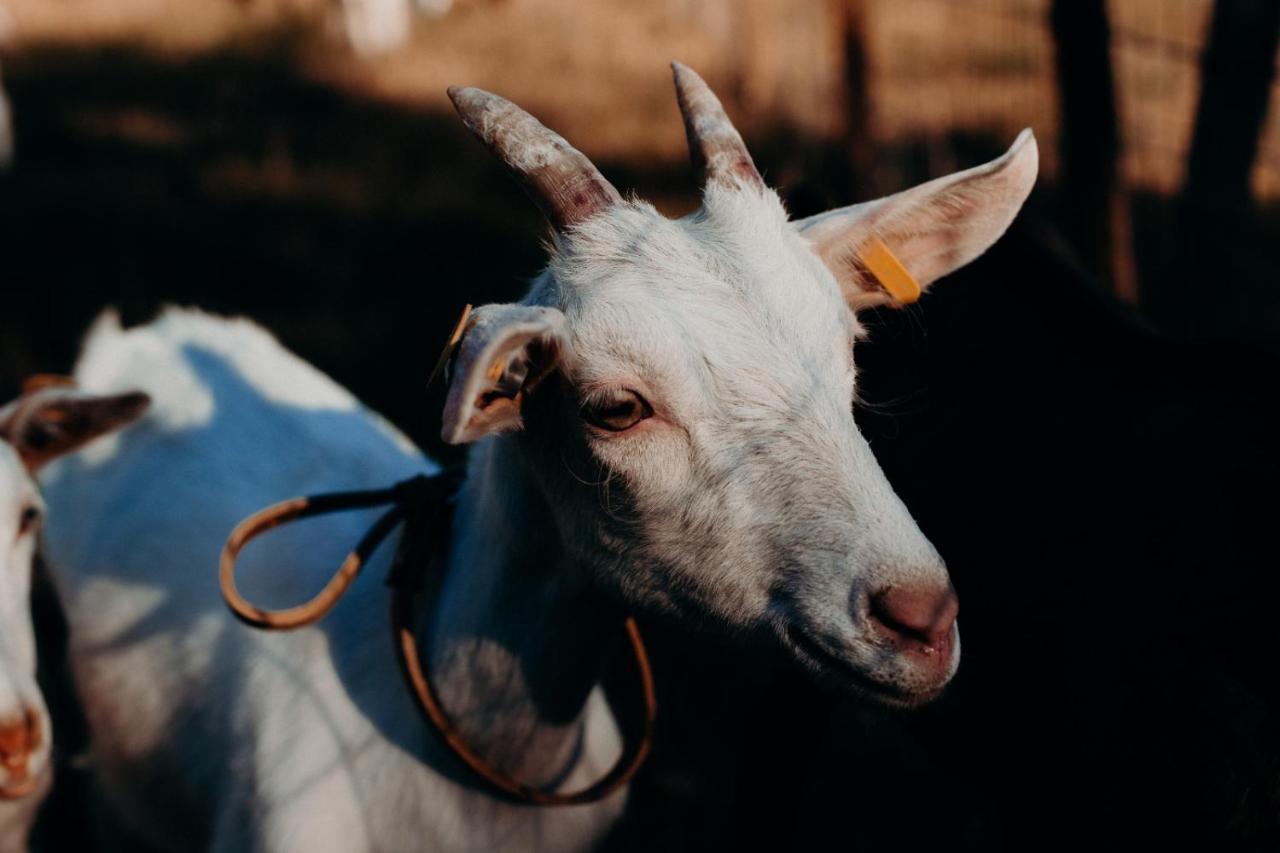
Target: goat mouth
20	787
838	669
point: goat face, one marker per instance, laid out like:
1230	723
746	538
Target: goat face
24	722
36	428
685	390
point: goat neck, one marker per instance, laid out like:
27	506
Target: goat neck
516	639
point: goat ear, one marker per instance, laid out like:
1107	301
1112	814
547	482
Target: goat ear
50	421
504	352
933	229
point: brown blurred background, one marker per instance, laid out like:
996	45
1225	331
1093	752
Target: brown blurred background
313	133
1083	421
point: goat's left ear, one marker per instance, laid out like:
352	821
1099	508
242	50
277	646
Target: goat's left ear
48	422
933	229
505	351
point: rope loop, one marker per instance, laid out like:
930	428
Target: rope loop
423	505
317	607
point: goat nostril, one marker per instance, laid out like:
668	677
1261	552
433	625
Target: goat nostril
18	739
922	614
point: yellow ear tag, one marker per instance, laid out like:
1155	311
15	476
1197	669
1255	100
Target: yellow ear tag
889	271
451	345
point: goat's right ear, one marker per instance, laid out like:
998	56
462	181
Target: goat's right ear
504	352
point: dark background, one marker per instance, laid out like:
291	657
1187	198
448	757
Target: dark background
1083	421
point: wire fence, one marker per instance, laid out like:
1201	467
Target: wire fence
989	64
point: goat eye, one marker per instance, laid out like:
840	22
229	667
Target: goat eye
617	411
28	520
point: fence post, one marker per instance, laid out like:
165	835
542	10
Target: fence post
1094	201
859	141
1238	66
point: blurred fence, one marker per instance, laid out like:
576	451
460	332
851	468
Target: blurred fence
840	99
932	66
978	64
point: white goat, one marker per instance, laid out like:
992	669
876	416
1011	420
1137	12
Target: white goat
34	429
663	425
375	27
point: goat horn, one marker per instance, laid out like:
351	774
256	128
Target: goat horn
558	177
715	146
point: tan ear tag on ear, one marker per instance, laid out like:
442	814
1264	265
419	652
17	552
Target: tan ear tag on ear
889	271
451	346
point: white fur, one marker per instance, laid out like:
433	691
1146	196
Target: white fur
749	501
19	693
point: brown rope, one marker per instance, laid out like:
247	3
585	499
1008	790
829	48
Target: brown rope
623	770
292	510
409	501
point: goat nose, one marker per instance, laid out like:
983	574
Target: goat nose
19	738
916	617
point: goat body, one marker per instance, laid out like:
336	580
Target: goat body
309	739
